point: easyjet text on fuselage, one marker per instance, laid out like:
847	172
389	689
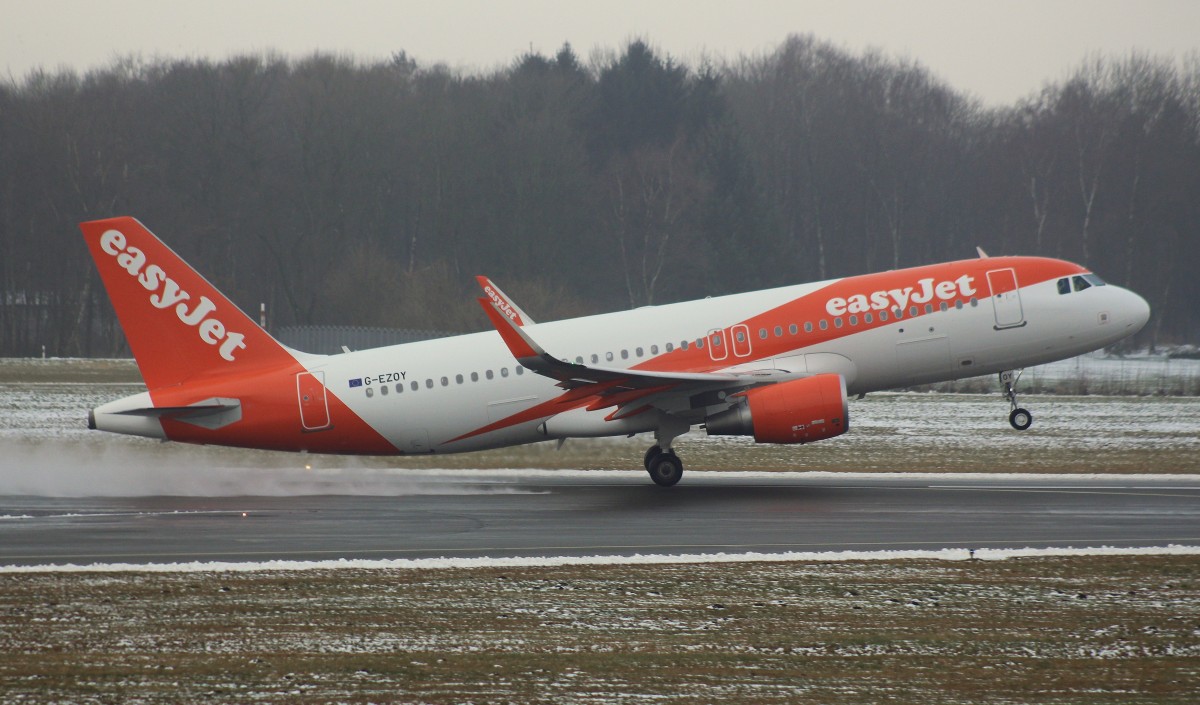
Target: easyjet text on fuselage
924	292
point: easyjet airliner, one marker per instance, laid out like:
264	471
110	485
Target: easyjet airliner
778	364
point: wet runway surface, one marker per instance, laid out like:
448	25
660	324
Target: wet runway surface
608	514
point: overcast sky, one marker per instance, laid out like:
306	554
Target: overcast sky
999	51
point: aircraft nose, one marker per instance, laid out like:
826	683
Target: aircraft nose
1137	311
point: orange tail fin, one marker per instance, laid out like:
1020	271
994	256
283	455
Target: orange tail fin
178	325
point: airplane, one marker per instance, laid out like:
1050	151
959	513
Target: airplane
778	364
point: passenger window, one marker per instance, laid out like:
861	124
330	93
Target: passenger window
503	371
639	352
579	360
624	354
824	325
370	392
778	331
653	349
474	376
700	343
458	379
595	359
445	382
913	311
489	374
415	385
883	316
1064	286
958	304
429	384
868	318
837	323
762	333
793	329
608	357
683	345
670	347
1080	283
808	326
383	390
854	320
399	387
520	370
928	308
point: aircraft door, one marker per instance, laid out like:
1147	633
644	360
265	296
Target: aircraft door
314	406
1006	298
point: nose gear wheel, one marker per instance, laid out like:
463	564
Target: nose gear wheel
1018	418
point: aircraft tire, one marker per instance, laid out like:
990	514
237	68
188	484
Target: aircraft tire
666	469
1020	419
653	452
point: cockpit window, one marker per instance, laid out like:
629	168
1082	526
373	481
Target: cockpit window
1094	280
1064	286
1080	283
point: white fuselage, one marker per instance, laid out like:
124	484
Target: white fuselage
421	396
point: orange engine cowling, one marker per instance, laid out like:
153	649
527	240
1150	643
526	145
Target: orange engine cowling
800	411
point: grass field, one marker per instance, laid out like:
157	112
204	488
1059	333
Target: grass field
1080	630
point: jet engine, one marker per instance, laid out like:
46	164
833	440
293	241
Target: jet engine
801	411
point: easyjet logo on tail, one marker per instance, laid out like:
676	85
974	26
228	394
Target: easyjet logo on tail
922	293
165	293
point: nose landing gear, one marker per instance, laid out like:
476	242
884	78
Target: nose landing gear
1019	418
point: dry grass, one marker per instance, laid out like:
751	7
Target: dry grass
1080	630
72	370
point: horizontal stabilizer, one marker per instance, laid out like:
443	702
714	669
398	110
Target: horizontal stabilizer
211	413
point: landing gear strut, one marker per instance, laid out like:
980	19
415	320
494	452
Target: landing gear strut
1019	418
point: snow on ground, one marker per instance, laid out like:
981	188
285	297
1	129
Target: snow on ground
46	449
1137	374
947	554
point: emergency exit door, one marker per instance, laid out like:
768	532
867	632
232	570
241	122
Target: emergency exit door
314	406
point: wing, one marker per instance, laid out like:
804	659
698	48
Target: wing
631	391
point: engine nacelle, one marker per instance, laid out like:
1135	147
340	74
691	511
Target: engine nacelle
800	411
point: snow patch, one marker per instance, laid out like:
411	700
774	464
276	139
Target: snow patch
945	554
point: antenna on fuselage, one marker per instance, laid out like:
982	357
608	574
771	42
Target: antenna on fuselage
982	254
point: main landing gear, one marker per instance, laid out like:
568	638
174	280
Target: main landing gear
665	468
1019	418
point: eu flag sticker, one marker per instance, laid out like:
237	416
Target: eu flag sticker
356	382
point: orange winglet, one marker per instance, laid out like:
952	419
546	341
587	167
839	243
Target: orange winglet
507	306
519	344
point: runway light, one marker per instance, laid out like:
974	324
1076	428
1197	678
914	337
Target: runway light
243	514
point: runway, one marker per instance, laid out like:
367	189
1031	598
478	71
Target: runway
574	514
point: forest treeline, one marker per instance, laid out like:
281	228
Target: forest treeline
337	191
